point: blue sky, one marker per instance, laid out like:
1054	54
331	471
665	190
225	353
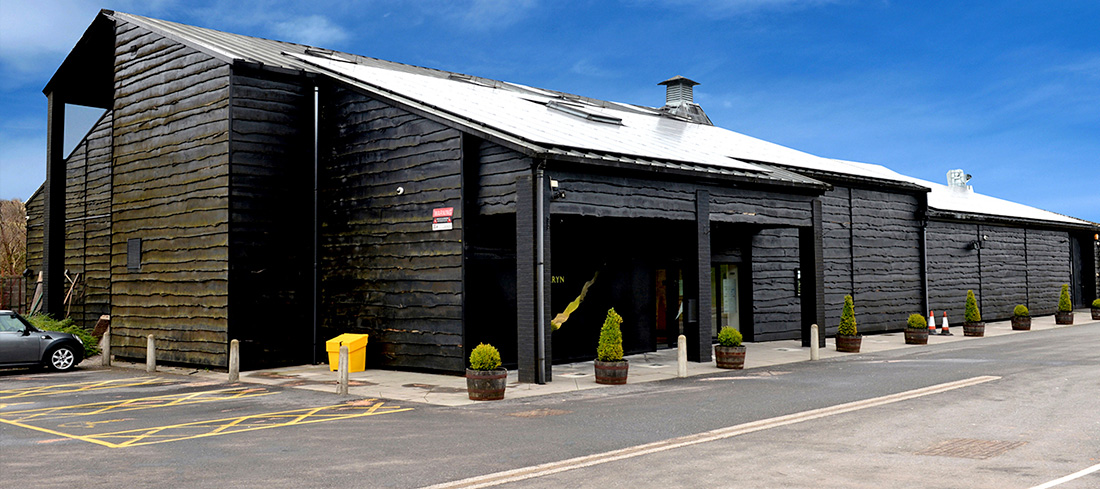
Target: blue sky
1008	91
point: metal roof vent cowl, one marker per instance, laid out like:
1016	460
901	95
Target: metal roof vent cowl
679	100
957	181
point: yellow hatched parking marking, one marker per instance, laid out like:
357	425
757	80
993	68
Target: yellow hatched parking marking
225	426
96	408
47	390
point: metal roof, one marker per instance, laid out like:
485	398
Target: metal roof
950	200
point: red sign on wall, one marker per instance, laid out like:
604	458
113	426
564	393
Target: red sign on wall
441	218
443	212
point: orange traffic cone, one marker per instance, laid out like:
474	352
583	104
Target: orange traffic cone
931	323
946	330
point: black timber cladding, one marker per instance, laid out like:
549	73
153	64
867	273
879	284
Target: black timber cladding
385	272
170	189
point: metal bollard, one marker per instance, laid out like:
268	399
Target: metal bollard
814	354
342	372
682	356
105	346
150	355
234	361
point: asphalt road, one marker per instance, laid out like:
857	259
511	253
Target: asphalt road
1036	420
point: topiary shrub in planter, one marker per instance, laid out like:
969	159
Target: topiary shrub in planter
973	326
486	379
1021	318
1065	307
1096	310
847	338
729	353
610	366
916	330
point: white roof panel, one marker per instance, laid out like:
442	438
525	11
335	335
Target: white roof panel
523	112
945	198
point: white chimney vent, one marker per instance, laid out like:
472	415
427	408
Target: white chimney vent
957	181
679	100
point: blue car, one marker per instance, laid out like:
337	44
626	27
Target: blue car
23	345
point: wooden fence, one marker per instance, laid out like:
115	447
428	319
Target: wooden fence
13	293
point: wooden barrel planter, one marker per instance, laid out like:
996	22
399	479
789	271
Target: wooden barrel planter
1095	314
916	336
1021	323
974	329
486	385
1063	317
729	356
612	373
850	344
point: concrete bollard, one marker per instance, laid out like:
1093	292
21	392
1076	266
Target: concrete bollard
105	348
681	356
234	361
150	355
342	372
814	354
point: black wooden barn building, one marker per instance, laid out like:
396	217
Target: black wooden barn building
280	194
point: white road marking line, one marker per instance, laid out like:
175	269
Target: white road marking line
524	473
1063	480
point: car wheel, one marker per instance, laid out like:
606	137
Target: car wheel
61	358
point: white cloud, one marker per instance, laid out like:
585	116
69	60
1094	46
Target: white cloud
314	30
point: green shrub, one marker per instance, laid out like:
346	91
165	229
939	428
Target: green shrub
916	321
728	336
1096	304
1020	311
47	323
610	348
847	318
972	313
484	357
1064	304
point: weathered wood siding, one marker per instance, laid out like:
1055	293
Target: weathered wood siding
498	167
871	241
777	309
35	206
88	225
1048	263
1004	272
836	220
602	195
170	182
1013	266
271	218
887	259
385	272
952	268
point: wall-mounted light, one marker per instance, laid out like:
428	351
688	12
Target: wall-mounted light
556	193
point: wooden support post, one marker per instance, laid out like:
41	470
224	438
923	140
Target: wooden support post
812	263
150	354
342	372
526	288
234	361
698	331
105	348
53	233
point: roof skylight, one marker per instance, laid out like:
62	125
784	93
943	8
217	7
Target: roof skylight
577	111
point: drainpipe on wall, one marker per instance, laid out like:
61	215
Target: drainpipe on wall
540	275
316	215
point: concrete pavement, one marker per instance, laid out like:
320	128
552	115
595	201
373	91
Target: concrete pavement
449	390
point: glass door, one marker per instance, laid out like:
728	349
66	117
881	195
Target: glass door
724	304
